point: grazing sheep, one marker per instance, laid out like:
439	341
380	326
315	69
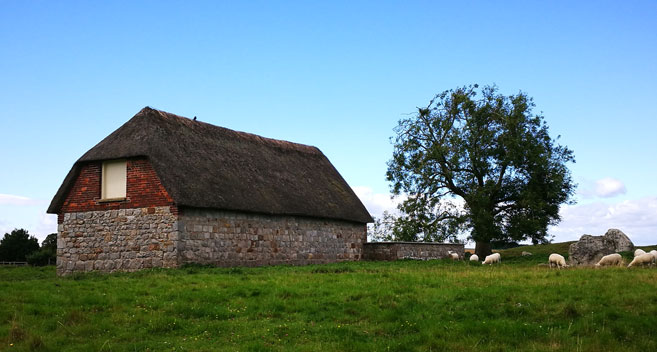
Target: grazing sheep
643	259
611	259
654	255
453	255
526	254
558	260
639	252
492	259
474	258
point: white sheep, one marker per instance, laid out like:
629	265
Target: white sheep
474	258
492	259
453	255
611	259
643	259
526	254
558	260
639	252
654	255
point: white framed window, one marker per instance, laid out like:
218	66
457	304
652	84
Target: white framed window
113	180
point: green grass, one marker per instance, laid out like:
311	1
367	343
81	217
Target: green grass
361	306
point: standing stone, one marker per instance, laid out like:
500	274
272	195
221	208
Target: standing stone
589	249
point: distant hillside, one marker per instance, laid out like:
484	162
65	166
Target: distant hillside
541	252
539	249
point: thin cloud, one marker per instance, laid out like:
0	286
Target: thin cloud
4	227
607	187
17	212
10	199
377	203
38	224
47	224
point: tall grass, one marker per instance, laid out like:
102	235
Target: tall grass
361	306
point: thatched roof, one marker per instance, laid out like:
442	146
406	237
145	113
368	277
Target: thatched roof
206	166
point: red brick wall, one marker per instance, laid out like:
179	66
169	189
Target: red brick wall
144	190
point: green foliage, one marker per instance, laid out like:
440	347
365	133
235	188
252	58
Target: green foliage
41	257
356	306
50	242
17	245
47	255
489	150
383	230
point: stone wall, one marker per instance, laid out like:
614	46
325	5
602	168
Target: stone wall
124	239
226	238
409	250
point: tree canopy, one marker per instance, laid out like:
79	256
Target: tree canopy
50	242
47	255
476	160
17	245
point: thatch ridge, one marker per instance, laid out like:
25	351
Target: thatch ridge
206	166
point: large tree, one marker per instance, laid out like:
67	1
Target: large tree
17	245
477	160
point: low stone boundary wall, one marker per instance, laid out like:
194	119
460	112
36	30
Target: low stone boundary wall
410	250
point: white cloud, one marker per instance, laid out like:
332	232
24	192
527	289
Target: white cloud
17	212
4	227
36	222
603	188
47	224
377	203
609	187
636	218
9	199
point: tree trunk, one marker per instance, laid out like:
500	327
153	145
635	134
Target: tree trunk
482	249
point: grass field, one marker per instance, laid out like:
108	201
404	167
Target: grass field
362	306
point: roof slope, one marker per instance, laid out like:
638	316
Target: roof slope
206	166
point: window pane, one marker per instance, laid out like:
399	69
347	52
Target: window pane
114	179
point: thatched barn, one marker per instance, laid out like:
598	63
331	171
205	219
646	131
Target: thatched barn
164	190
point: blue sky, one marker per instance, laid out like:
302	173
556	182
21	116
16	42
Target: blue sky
337	75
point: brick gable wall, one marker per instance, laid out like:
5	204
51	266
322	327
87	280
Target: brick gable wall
144	190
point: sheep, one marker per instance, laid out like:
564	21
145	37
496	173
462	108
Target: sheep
453	255
611	259
558	260
492	259
639	252
643	259
654	255
526	254
474	258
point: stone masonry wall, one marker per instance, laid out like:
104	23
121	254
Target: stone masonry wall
124	239
236	239
410	250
